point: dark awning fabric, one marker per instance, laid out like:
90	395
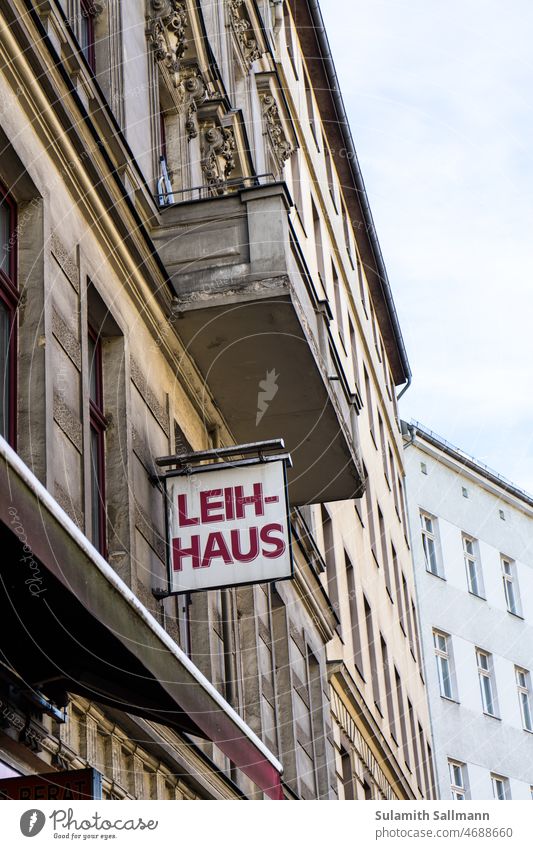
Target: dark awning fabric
71	624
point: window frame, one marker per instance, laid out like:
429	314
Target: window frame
472	559
444	657
486	674
87	12
97	428
524	690
504	781
430	539
10	298
459	791
510	579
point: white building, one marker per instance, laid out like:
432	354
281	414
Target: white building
472	540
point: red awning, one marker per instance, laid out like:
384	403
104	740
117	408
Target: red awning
74	624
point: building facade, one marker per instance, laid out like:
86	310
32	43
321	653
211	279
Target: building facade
473	550
189	262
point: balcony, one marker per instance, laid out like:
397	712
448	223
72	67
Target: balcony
251	317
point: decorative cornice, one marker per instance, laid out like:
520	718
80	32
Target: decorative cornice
280	144
243	31
166	23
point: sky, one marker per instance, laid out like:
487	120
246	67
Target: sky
440	102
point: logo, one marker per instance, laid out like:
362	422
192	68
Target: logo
32	822
268	390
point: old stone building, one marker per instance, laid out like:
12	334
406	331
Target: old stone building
189	262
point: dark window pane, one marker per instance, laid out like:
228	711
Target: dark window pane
4	371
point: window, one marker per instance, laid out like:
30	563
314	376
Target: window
329	171
398	588
384	553
317	232
331	567
500	787
429	543
510	586
297	184
523	683
353	352
346	773
401	714
289	38
370	406
361	279
486	681
457	780
370	521
383	445
372	652
423	468
502	515
87	39
388	687
442	645
465	492
473	566
8	305
338	302
354	615
310	108
347	236
98	426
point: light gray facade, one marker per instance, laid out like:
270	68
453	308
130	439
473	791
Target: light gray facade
472	540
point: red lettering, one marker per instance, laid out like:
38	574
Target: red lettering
242	501
216	547
268	539
179	553
183	518
253	551
207	505
228	498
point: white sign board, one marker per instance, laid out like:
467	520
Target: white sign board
228	526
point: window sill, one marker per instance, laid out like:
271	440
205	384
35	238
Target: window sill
436	575
492	716
516	615
389	593
476	595
450	699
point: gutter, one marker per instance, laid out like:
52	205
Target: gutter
344	126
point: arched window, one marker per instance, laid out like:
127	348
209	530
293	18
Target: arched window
8	305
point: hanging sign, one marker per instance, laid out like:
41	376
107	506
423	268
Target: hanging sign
228	526
60	786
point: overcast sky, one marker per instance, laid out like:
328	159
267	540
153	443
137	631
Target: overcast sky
440	101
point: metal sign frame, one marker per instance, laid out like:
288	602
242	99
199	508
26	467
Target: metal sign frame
186	466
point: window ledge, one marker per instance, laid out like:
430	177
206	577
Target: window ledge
476	595
436	575
492	716
516	615
450	699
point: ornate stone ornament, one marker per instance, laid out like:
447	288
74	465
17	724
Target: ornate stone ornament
243	31
218	159
165	27
281	146
193	93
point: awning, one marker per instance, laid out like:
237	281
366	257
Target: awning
71	624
